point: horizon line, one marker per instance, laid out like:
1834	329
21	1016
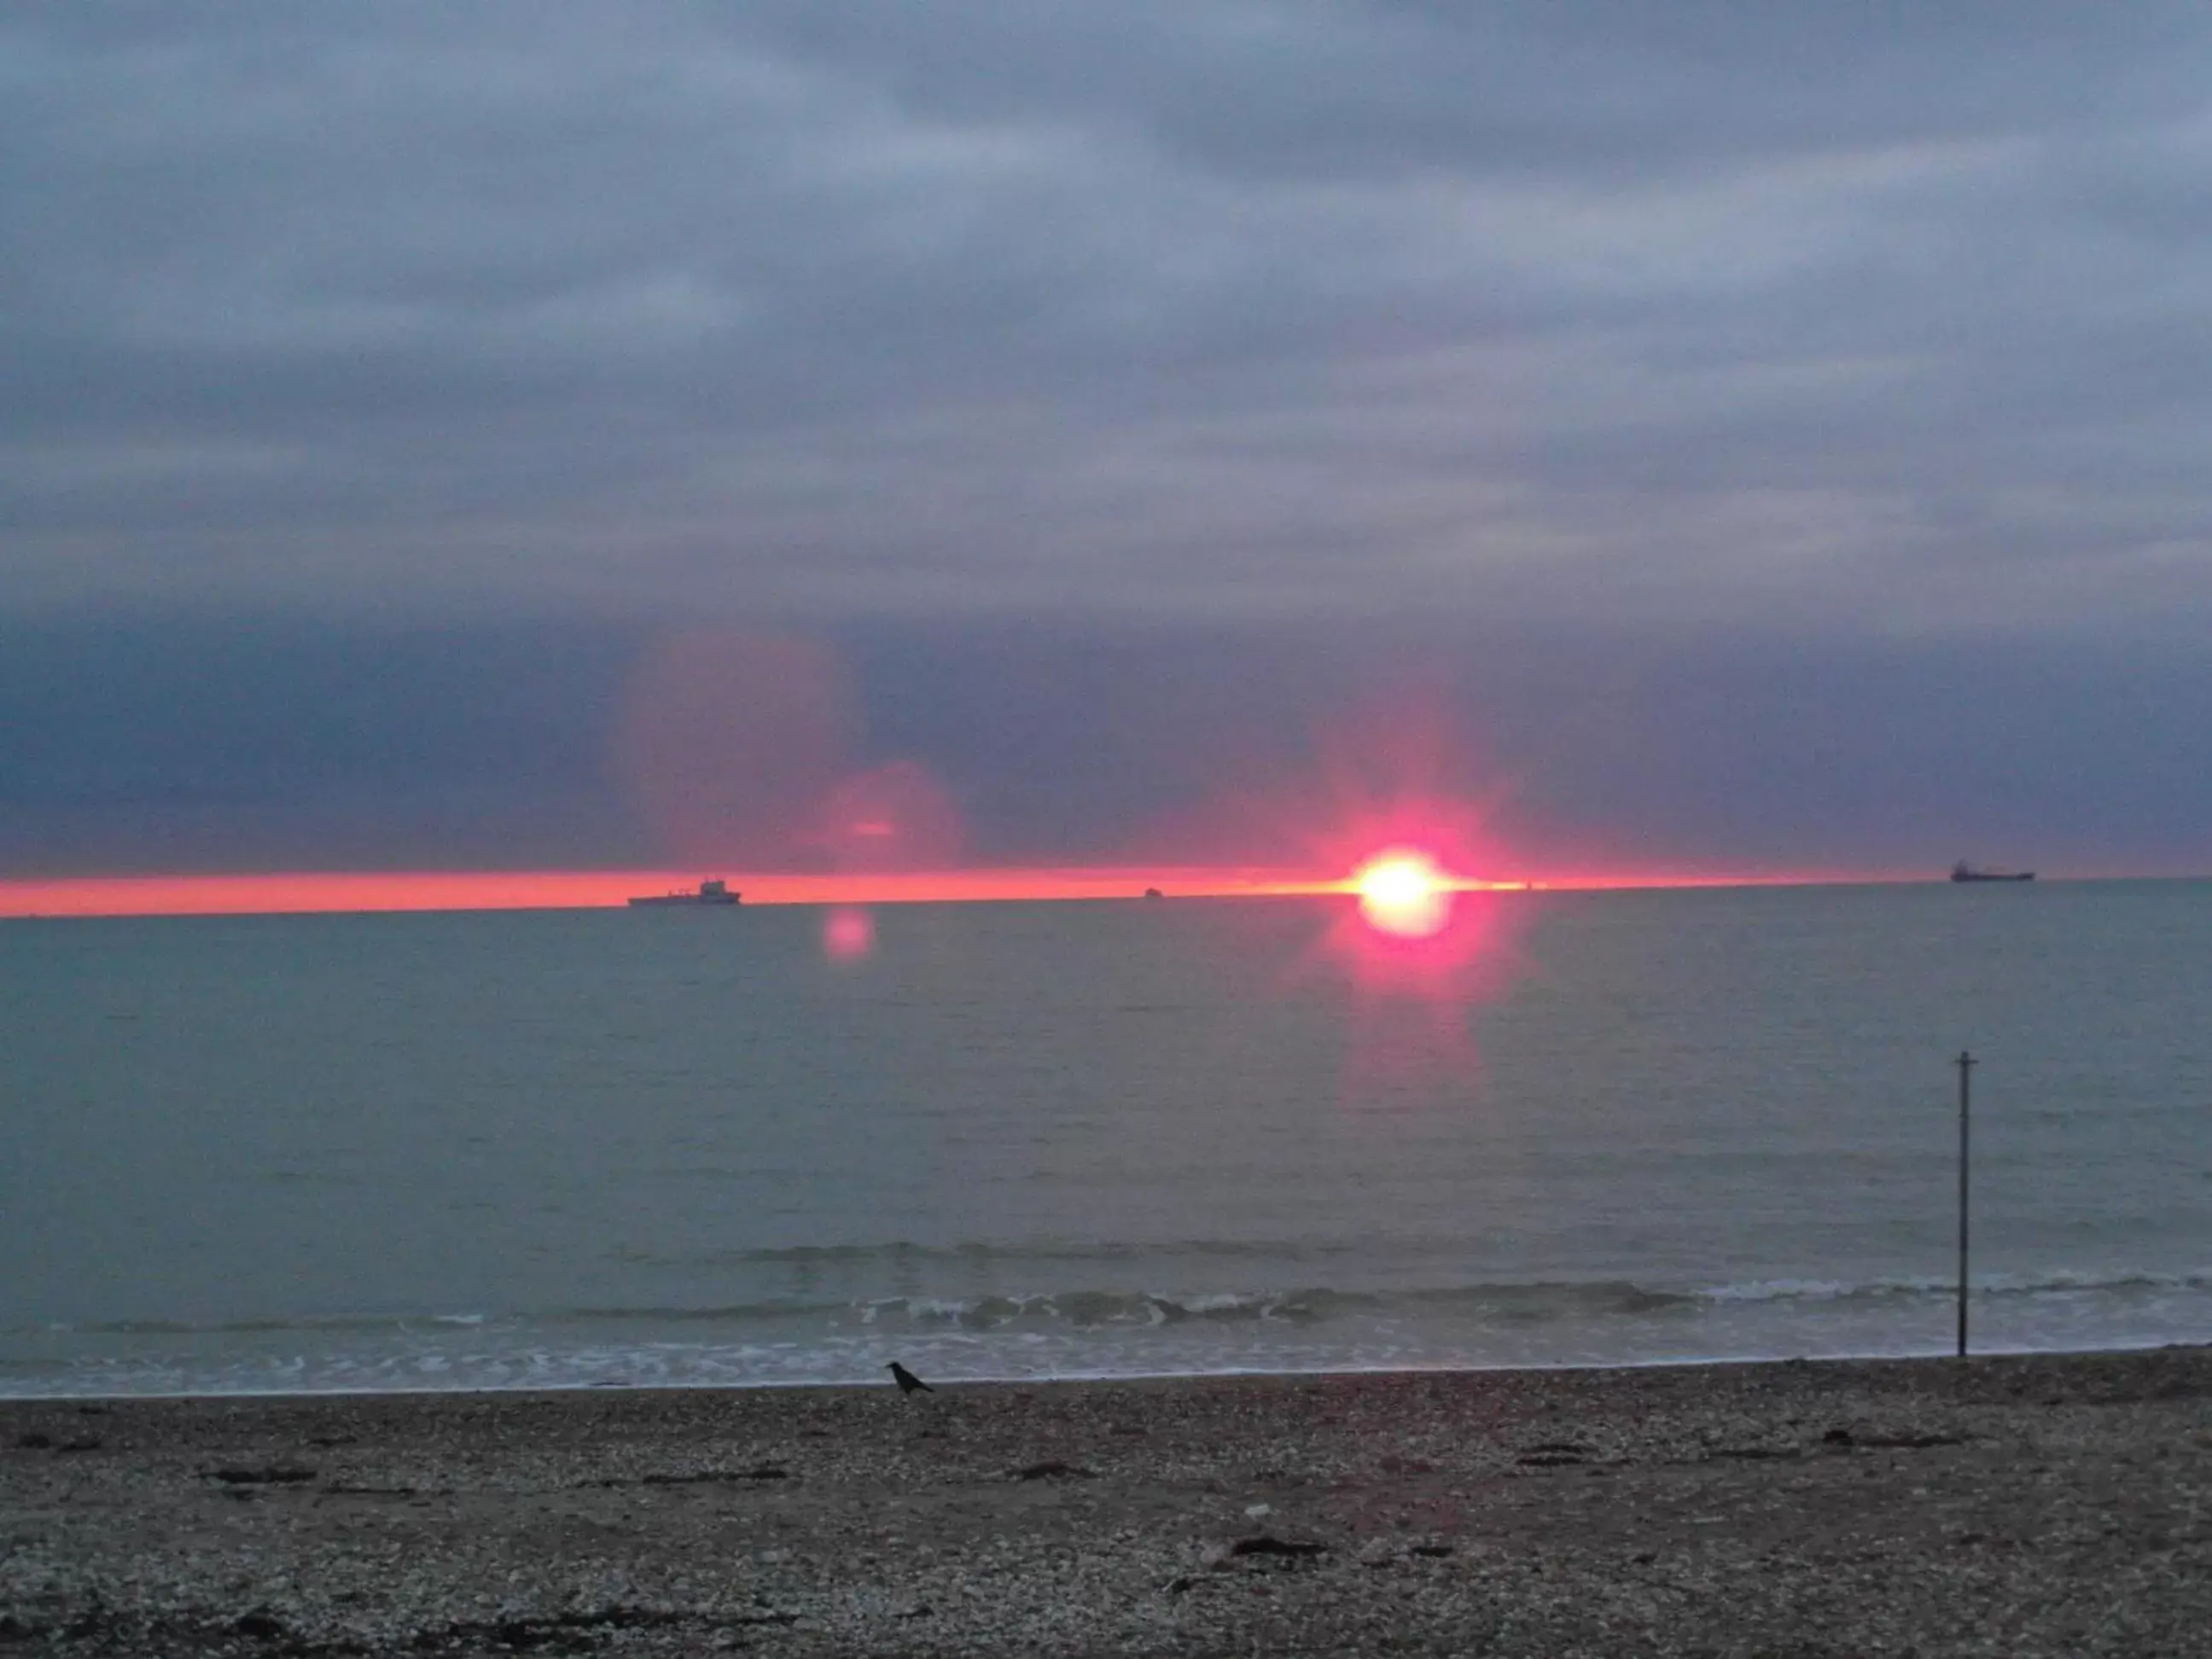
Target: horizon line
361	892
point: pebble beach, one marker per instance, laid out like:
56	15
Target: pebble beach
2046	1504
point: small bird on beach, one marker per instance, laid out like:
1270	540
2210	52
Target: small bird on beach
906	1380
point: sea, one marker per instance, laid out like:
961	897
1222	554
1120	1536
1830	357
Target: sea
774	1146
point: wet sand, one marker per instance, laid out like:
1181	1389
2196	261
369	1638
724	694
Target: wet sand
2047	1506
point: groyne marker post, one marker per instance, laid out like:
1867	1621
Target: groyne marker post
1966	1063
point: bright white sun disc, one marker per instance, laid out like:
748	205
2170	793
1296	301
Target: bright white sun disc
1404	893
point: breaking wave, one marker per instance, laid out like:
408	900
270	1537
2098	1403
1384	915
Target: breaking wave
1997	1284
1088	1333
901	1253
1500	1303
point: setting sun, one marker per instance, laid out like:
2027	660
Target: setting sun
1403	892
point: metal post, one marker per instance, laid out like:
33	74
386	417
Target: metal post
1966	1095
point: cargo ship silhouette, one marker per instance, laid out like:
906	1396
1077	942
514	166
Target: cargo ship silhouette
710	892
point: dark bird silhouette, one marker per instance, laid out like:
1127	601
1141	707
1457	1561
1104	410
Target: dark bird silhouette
906	1380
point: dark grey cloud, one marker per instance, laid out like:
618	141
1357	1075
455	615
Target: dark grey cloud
1774	337
1718	310
1581	92
283	743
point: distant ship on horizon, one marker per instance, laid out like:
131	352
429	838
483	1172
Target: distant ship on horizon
1963	870
710	892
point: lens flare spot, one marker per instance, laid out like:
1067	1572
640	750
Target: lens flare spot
729	743
897	816
849	933
1402	892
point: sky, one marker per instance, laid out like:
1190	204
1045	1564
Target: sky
1710	437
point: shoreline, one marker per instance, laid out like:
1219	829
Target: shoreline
2037	1503
1109	1379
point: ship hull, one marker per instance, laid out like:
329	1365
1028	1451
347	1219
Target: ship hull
713	893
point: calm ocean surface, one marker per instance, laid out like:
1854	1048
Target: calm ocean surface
469	1150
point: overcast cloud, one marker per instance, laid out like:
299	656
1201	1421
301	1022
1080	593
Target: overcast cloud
1735	329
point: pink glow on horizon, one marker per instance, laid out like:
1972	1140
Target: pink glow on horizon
280	893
